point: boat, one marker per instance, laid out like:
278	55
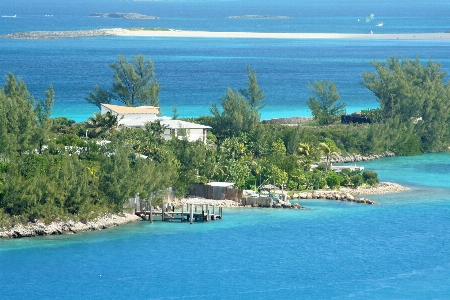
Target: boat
380	24
9	16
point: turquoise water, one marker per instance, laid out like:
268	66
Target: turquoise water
397	249
194	73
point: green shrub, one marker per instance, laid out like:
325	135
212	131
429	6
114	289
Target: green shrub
334	180
410	147
370	177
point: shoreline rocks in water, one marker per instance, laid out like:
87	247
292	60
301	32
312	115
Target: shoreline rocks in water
129	16
68	227
348	194
48	35
338	158
259	17
344	194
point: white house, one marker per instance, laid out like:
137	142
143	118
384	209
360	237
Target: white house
182	129
137	117
131	116
339	169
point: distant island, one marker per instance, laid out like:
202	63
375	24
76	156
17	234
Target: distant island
258	17
130	16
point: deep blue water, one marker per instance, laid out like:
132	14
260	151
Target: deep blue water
194	73
395	250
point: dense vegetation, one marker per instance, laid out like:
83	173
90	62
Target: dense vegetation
56	168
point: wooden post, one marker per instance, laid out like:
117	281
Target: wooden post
191	215
208	215
163	211
182	213
203	214
220	212
151	213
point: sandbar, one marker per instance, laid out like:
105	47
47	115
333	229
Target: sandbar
279	35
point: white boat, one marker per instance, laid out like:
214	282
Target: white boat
380	24
9	16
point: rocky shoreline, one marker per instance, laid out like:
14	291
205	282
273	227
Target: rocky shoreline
68	227
129	16
259	17
112	220
49	35
344	194
349	158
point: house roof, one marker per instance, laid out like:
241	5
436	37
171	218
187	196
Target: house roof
177	124
132	110
222	184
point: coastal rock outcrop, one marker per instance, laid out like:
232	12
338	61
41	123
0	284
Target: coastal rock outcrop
258	17
129	16
69	227
338	158
348	194
48	35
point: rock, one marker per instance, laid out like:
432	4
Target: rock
303	195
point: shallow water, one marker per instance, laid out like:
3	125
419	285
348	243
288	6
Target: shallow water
333	249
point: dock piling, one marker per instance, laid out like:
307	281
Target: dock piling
150	217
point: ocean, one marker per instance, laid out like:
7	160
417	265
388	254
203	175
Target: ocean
196	72
397	249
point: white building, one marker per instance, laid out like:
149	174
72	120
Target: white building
133	117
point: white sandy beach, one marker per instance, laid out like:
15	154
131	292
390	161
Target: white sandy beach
270	35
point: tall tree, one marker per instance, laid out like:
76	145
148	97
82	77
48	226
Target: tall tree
253	93
134	84
236	115
99	96
17	117
43	112
324	106
410	92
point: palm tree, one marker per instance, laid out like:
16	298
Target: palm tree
101	124
307	155
328	148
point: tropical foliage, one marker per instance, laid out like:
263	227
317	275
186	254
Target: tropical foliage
56	168
134	84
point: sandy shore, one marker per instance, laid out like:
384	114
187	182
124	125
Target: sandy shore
172	33
269	35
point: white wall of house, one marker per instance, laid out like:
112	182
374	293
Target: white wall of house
138	116
192	135
135	120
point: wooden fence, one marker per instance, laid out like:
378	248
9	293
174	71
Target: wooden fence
216	192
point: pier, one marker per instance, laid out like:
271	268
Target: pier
188	213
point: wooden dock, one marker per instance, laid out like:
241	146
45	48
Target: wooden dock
188	213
